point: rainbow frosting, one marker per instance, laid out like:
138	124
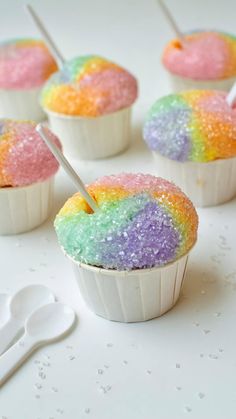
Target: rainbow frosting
142	221
24	64
89	86
205	56
24	158
196	125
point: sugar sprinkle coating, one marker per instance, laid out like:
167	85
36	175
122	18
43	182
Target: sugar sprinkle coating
89	86
196	125
142	221
208	55
24	157
25	64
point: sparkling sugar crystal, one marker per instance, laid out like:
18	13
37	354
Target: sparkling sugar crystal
207	55
24	157
24	64
197	125
142	222
89	86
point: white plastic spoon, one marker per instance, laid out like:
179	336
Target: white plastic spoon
46	324
20	306
45	35
4	309
67	167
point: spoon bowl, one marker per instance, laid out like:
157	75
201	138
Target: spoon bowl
29	298
46	324
18	308
50	322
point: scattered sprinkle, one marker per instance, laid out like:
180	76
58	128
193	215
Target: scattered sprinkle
105	389
110	345
213	356
87	410
38	386
46	364
206	331
188	409
42	375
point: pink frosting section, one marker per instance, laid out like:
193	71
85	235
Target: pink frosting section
25	65
216	103
118	89
29	160
203	57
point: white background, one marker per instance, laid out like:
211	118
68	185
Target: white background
180	365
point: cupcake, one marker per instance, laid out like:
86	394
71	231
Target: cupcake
25	65
206	61
27	170
193	138
88	103
130	256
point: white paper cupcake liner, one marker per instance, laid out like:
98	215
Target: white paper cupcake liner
206	184
131	296
92	138
24	208
179	84
21	104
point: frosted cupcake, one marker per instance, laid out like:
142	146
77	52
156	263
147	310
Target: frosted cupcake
193	138
27	170
130	256
88	103
206	61
25	64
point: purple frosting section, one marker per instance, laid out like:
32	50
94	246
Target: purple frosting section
150	240
166	133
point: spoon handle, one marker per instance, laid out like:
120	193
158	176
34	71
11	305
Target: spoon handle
8	332
15	356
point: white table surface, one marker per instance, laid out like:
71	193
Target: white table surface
182	364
